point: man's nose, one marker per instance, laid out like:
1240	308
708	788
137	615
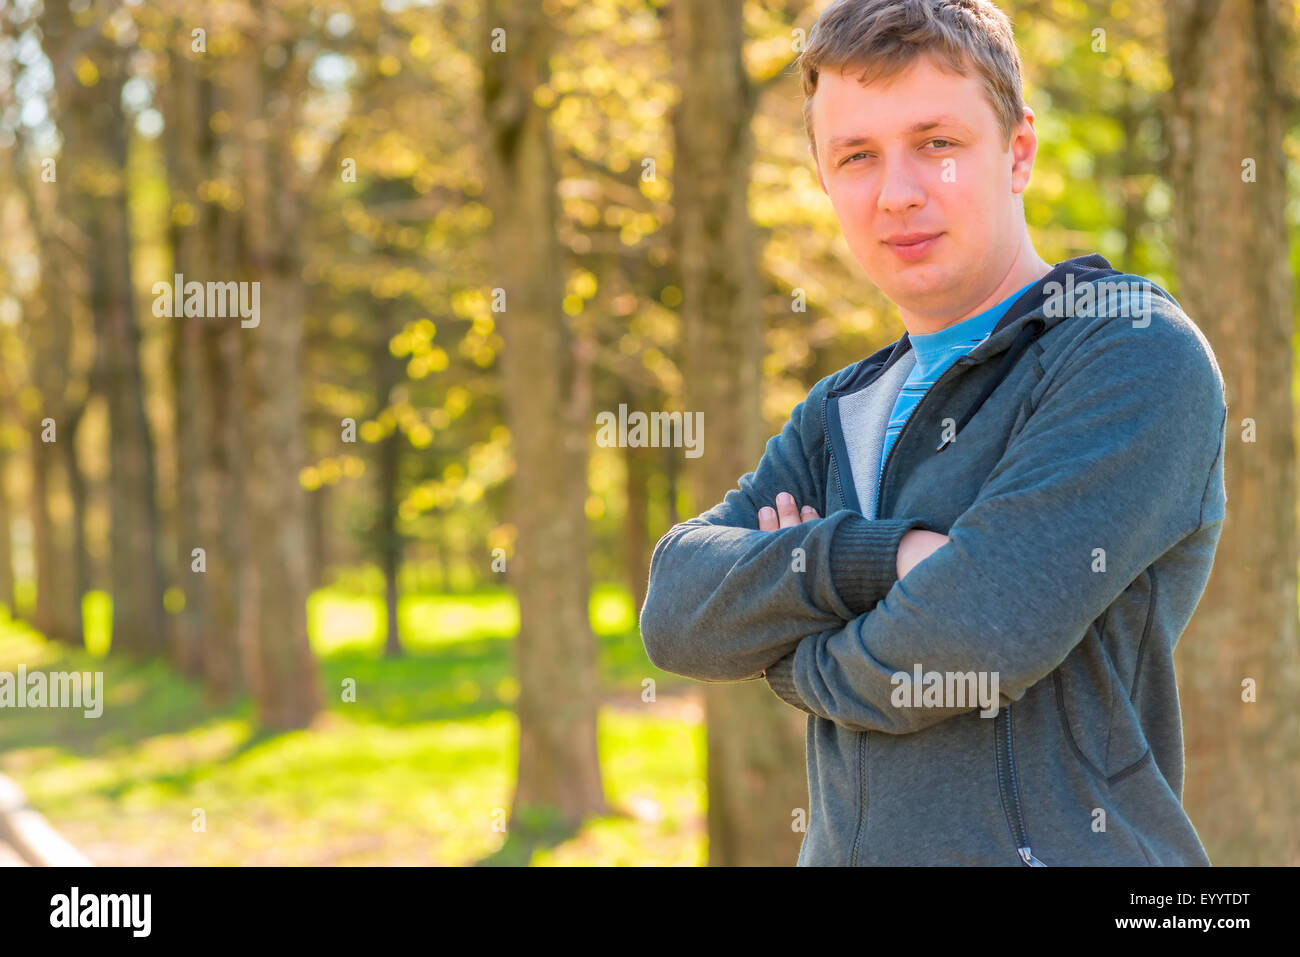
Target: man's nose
900	190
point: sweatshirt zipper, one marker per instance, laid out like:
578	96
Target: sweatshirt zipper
962	361
862	781
862	796
1006	780
835	471
1007	786
862	735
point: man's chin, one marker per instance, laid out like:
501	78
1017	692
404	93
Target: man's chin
914	286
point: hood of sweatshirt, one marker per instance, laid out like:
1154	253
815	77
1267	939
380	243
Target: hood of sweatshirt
1041	307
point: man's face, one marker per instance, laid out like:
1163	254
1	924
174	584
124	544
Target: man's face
924	186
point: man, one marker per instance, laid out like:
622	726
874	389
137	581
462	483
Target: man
1021	497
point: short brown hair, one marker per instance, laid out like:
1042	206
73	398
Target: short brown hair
883	37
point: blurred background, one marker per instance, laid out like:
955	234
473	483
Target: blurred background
361	580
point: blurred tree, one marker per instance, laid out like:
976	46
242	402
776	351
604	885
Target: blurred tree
89	52
756	763
269	89
10	361
6	533
187	140
1229	178
388	538
548	408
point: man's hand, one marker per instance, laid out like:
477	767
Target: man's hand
787	512
915	547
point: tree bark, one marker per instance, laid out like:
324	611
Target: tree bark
229	617
60	343
555	650
78	569
639	463
318	535
231	627
1242	790
185	141
95	132
756	765
388	537
44	614
281	671
6	537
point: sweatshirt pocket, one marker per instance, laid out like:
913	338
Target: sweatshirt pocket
1097	719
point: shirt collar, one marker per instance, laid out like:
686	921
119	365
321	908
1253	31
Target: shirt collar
936	348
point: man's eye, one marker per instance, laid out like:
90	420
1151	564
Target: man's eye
942	143
853	157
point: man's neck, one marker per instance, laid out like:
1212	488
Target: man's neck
1027	267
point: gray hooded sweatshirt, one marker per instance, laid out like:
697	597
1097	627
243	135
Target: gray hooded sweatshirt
1075	460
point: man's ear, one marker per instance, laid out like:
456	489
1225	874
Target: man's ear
1023	148
817	166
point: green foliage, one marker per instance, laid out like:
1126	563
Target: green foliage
409	773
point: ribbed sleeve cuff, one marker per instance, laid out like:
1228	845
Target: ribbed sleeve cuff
864	559
780	678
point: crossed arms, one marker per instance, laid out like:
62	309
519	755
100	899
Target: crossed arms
1116	455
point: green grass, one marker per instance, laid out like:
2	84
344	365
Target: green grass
418	770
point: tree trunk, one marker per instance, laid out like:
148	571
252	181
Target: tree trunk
388	543
390	546
225	529
318	516
756	765
96	134
388	536
282	671
640	463
555	650
230	632
672	469
59	342
6	538
185	142
78	569
1226	121
44	615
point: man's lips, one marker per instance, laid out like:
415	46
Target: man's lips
910	246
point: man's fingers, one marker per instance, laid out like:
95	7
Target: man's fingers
787	510
785	514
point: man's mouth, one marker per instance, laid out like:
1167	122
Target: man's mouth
912	246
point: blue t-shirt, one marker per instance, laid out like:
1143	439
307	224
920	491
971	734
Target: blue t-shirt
935	352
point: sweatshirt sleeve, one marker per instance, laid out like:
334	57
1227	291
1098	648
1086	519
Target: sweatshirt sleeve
725	600
1116	458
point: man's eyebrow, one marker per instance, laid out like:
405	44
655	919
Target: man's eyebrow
859	139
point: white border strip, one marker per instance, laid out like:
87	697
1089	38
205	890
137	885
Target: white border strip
30	834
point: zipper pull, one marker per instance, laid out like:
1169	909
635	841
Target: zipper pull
1029	858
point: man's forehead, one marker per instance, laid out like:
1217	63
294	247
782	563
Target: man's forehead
863	74
845	111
